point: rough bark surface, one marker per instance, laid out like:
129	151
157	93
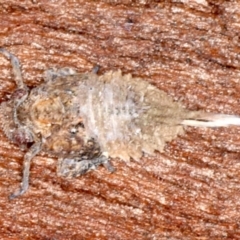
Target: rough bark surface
190	49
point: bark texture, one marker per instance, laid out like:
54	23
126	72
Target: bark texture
188	48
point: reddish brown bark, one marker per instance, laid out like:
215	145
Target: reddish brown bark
189	49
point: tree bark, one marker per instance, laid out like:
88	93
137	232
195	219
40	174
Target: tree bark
187	48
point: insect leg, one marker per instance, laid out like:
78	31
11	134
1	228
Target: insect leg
32	152
21	93
68	167
52	73
16	67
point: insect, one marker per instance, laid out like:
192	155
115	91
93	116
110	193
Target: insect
84	119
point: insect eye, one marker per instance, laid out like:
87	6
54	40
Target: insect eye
22	136
19	93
